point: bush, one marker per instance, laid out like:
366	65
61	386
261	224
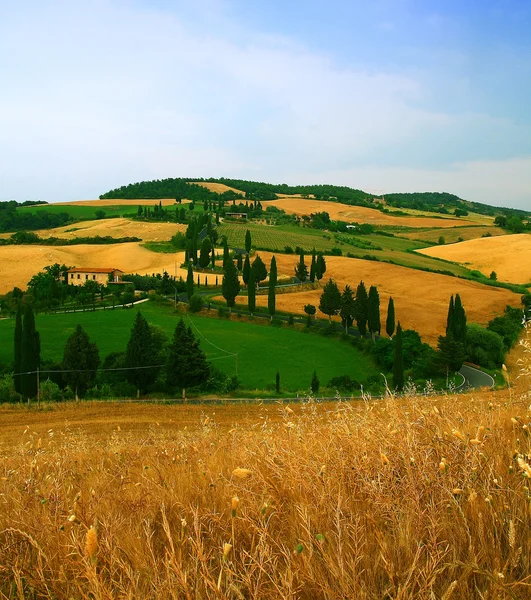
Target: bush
196	303
7	389
483	347
336	252
344	382
288	250
49	391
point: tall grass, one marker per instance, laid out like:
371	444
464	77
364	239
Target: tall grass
416	498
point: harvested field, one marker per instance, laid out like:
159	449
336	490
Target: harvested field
451	235
18	264
116	228
421	299
508	255
360	214
114	201
219	188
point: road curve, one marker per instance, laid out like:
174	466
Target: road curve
474	378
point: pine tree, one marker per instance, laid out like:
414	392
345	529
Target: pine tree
251	293
186	364
390	321
398	360
313	266
140	354
230	286
248	241
373	319
18	351
301	270
260	271
320	266
204	255
246	270
271	295
81	360
362	308
330	301
348	308
190	282
314	385
30	356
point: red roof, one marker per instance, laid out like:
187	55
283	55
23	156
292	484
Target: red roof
93	270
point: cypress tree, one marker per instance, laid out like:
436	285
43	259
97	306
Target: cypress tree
260	271
213	261
30	354
373	319
251	293
190	282
277	382
204	255
348	308
140	354
450	317
246	269
230	286
81	360
459	325
320	266
330	301
239	261
390	321
271	294
226	255
301	270
313	267
314	385
362	307
18	351
398	360
248	241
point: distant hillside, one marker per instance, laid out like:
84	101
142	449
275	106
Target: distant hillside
441	202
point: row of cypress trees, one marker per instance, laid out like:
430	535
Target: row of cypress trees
27	353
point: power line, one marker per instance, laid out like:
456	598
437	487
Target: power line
208	341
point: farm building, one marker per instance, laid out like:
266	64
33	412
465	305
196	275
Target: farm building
80	275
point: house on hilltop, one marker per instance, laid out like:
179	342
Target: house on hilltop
102	276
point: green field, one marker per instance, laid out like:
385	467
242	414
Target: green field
261	349
81	212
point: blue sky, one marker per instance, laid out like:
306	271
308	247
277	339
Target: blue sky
385	95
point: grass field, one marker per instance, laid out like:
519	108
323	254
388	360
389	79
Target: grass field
416	498
469	232
509	256
261	349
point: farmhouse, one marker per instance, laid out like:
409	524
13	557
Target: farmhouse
80	275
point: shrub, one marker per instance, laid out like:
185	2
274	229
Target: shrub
196	303
483	347
344	382
7	389
49	391
336	252
288	250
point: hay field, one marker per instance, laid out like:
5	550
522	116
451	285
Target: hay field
360	214
421	299
411	498
219	188
18	264
508	255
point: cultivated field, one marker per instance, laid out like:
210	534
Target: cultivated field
413	499
120	201
451	235
20	263
360	214
421	299
509	256
219	188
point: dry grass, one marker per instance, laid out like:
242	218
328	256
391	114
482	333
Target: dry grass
360	214
219	188
419	498
421	299
508	255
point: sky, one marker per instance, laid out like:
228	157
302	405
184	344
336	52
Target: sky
384	96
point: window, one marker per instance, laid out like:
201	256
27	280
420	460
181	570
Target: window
86	276
78	276
71	276
94	277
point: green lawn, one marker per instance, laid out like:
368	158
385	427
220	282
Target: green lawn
261	349
81	212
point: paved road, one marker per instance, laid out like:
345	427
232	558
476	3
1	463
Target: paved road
474	378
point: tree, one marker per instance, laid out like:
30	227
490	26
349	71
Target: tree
186	364
140	354
251	293
277	382
190	282
81	360
271	293
30	356
398	361
314	384
226	255
313	266
260	271
451	353
301	270
320	266
18	351
362	308
246	270
330	301
390	321
230	286
348	308
248	241
373	317
204	255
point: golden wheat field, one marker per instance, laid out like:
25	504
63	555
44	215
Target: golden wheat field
508	255
360	214
219	188
420	298
20	263
418	498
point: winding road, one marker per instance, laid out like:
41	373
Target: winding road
474	378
